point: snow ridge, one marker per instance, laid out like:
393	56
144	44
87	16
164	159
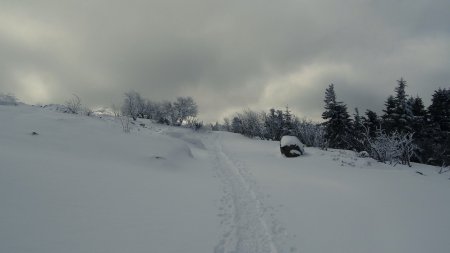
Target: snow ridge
248	231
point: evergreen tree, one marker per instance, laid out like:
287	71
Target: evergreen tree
271	126
279	122
358	131
418	113
397	115
402	115
437	148
372	122
338	123
388	116
418	121
287	122
440	109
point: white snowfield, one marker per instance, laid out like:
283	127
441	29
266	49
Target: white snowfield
82	185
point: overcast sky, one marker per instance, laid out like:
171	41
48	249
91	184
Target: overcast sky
228	55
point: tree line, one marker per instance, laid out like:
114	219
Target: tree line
406	131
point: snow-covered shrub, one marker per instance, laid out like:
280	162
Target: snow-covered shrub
393	148
310	133
251	123
291	146
8	99
194	124
88	111
73	105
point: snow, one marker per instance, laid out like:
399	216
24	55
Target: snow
82	185
288	140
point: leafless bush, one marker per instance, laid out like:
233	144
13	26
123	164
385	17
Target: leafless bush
125	120
73	105
115	111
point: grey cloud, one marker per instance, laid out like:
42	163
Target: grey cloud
226	54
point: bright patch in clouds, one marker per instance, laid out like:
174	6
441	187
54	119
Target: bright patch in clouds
34	87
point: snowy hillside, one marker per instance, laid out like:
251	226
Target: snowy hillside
83	185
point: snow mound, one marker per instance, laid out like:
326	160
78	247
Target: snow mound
288	140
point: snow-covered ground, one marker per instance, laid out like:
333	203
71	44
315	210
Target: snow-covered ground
82	185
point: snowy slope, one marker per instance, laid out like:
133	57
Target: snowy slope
82	185
332	201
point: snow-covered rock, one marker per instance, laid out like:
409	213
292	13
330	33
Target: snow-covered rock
291	146
363	154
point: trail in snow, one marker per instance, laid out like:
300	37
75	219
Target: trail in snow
242	210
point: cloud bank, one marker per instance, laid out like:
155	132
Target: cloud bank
228	55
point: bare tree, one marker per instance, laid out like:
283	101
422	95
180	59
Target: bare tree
132	104
125	120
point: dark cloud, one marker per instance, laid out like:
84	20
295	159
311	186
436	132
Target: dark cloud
228	55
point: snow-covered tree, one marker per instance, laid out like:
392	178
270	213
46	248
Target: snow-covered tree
252	123
437	131
271	125
402	115
388	116
185	107
226	124
287	124
338	123
310	133
236	125
358	131
372	122
440	109
398	115
131	104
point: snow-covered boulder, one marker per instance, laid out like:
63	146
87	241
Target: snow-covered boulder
291	146
363	154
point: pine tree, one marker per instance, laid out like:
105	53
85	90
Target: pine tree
440	109
418	113
372	122
402	112
271	126
437	133
418	121
287	122
279	122
388	117
338	123
397	115
358	131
